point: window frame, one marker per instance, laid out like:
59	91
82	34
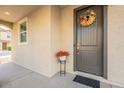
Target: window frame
19	32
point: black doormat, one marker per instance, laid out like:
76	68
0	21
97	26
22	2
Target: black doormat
87	81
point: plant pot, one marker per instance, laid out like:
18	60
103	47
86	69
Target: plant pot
62	58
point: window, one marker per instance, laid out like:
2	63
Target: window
23	31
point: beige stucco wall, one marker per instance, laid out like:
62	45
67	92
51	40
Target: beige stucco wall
36	55
116	44
67	34
43	41
55	37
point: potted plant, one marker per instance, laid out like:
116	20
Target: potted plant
62	55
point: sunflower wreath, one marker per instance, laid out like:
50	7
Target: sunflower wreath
88	19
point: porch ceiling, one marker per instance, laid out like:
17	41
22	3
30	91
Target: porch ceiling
13	13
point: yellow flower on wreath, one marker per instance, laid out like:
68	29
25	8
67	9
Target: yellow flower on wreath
88	19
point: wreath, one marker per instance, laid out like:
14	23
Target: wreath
88	19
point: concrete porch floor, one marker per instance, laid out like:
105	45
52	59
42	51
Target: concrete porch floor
15	76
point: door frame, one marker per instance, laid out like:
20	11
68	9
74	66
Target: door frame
105	18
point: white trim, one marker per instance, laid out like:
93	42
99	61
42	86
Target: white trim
21	21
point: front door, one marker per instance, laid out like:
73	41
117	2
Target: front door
89	40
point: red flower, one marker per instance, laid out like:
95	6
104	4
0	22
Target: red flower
62	53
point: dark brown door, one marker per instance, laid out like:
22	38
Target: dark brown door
89	40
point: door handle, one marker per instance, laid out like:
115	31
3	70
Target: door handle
78	48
